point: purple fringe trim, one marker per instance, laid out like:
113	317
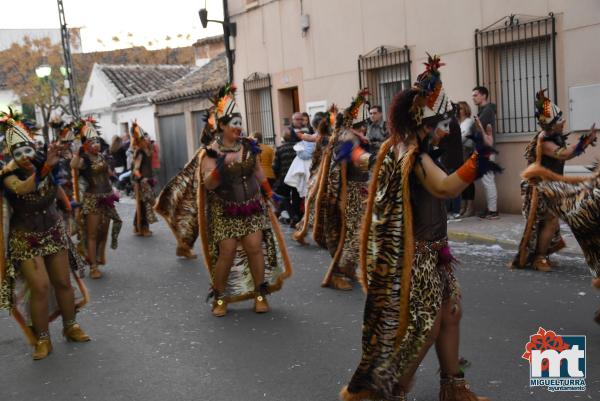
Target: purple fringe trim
445	257
244	209
109	201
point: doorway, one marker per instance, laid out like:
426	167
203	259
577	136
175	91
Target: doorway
289	103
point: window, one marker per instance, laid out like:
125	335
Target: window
124	128
385	71
515	59
259	109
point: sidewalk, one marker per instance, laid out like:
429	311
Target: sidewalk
506	232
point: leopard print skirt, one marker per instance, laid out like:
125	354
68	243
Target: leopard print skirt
224	227
103	204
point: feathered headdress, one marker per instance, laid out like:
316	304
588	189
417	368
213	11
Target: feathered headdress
210	125
65	130
66	133
224	102
137	134
87	128
546	112
431	99
358	110
18	130
332	115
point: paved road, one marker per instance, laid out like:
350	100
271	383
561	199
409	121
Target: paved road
154	337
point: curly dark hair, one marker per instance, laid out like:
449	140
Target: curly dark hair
400	119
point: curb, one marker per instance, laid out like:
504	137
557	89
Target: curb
465	236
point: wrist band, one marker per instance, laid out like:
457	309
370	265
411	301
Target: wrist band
468	171
267	188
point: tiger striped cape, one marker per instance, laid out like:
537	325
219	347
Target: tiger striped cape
386	258
575	200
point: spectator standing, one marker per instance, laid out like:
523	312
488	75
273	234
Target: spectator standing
118	154
266	157
298	128
466	127
487	116
284	156
376	128
451	159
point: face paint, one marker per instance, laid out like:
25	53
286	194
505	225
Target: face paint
444	125
95	145
236	122
23	152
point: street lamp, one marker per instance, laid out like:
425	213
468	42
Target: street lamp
229	32
43	71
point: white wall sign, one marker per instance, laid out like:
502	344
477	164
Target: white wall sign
313	107
584	107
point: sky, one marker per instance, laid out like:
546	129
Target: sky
134	22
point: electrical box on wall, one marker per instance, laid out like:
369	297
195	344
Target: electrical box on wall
305	22
583	107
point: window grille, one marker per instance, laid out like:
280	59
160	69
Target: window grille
516	57
259	106
385	71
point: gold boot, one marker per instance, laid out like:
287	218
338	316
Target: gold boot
541	263
95	273
74	333
42	348
260	304
455	388
219	308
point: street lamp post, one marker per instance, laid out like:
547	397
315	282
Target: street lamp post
44	72
229	31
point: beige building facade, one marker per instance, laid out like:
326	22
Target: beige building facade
302	55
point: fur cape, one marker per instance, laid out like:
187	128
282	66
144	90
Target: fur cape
575	200
387	250
533	209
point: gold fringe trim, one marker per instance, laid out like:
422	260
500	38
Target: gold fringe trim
202	225
537	171
29	334
531	218
368	216
282	247
324	172
300	234
409	244
342	206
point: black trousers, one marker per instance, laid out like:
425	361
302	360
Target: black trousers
292	201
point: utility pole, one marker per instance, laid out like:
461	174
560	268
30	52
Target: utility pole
66	45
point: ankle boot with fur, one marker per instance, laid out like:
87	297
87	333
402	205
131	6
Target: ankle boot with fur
455	388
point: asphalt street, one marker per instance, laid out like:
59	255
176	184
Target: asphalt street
154	337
